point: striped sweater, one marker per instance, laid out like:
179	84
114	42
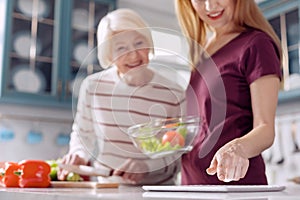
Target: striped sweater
107	107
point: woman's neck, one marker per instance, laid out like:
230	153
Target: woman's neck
218	40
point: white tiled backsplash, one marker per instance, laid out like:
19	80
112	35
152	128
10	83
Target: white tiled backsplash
283	158
33	133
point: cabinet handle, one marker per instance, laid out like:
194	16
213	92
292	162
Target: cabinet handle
59	88
67	89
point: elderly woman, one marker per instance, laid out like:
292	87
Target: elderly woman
126	93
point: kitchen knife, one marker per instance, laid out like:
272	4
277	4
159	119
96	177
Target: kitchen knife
87	170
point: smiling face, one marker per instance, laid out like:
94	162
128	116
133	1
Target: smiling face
130	49
216	13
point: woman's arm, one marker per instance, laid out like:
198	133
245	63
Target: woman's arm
231	162
264	95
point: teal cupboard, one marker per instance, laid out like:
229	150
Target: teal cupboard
47	48
284	17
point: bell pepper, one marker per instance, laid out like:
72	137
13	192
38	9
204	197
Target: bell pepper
9	174
34	173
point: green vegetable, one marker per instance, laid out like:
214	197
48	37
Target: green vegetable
152	144
74	177
182	130
54	168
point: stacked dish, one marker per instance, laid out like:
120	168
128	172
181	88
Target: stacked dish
27	6
20	76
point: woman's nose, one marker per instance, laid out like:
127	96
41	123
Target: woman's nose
132	53
210	5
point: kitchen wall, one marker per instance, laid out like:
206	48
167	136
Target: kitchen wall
157	13
28	132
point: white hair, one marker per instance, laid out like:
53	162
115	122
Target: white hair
116	21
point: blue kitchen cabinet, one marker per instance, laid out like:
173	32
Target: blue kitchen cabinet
284	17
48	47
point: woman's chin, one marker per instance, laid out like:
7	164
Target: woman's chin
138	76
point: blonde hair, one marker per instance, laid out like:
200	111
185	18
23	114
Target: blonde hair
246	14
116	21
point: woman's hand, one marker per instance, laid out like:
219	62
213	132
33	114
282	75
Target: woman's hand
132	171
72	159
229	163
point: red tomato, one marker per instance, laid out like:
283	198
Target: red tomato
174	138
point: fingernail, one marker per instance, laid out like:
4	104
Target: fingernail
222	177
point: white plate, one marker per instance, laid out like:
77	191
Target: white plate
22	44
26	7
215	188
82	53
27	80
80	19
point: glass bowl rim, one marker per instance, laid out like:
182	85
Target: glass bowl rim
188	119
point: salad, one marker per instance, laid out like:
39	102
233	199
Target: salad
172	137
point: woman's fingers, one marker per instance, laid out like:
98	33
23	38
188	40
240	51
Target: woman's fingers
212	169
72	159
121	170
228	164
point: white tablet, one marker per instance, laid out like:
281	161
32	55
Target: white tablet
214	188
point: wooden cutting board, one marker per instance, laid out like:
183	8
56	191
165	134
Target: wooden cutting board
82	184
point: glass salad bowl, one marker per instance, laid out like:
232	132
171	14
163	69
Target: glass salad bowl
164	137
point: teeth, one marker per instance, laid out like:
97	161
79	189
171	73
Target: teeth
215	14
134	65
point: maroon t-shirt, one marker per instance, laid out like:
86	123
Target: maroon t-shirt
219	92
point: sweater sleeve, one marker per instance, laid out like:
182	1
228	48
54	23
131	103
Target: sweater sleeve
83	136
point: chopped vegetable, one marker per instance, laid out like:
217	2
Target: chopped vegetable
182	130
34	173
174	138
171	125
8	175
27	173
54	168
171	140
74	177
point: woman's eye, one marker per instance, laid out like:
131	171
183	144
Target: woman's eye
139	44
121	49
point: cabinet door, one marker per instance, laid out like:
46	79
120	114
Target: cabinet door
284	17
85	17
29	67
48	43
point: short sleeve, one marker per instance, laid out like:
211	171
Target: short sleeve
261	58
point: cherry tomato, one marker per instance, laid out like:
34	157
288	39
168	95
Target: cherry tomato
174	138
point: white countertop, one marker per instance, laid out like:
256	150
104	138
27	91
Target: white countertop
292	192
